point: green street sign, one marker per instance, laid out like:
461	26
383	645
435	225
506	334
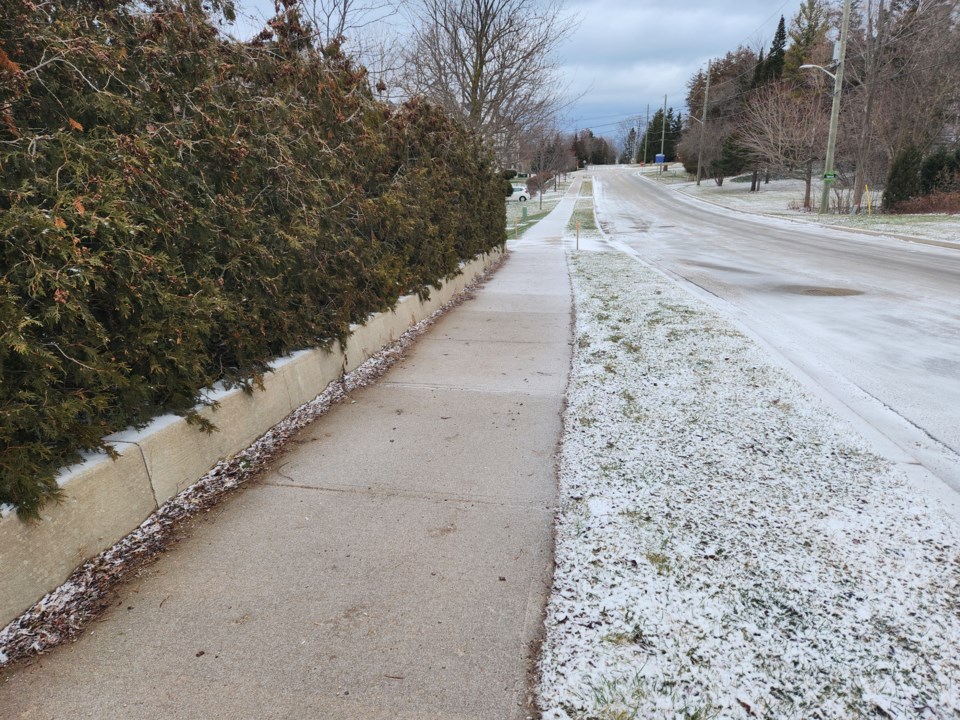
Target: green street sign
830	176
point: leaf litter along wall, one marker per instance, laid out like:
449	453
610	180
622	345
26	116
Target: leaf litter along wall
178	209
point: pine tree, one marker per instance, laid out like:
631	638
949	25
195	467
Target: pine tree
654	133
758	71
808	35
773	68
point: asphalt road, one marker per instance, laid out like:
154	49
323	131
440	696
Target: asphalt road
873	321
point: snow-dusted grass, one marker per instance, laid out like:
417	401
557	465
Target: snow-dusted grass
670	175
930	227
583	220
727	548
785	198
518	222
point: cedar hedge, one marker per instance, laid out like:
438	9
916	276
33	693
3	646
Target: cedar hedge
177	208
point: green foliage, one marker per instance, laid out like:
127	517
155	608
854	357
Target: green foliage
506	176
770	69
940	172
178	209
903	181
773	67
808	38
650	142
733	160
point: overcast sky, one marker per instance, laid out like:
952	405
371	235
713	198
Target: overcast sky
628	53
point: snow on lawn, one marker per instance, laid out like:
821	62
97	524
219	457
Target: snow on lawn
785	198
726	547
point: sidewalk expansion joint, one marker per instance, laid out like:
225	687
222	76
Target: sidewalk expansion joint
490	391
532	504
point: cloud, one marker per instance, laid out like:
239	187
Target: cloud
627	53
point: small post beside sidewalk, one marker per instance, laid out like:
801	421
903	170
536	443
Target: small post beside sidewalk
578	234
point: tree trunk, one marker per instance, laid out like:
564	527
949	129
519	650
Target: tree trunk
876	45
755	181
808	186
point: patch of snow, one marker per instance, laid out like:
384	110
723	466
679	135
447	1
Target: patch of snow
726	546
784	198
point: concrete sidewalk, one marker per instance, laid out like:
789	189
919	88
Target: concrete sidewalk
393	565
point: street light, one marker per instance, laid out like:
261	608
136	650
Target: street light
829	175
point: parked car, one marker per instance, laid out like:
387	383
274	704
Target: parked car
520	194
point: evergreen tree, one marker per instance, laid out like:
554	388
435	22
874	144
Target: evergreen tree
758	71
732	161
675	131
940	172
808	37
903	181
630	146
773	68
731	77
655	137
579	151
654	133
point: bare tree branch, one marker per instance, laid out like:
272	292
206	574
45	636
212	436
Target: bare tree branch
490	62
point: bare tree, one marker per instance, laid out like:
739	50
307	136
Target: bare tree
546	153
626	140
783	126
490	62
366	29
336	18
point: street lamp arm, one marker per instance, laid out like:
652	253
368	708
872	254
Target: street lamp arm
819	67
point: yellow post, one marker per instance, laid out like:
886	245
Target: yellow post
869	204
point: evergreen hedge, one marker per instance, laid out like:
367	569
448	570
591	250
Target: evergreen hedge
923	184
177	209
903	180
940	172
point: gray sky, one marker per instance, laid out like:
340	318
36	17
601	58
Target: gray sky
628	53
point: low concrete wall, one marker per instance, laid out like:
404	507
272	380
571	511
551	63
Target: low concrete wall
104	499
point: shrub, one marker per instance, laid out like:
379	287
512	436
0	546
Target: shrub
179	209
936	202
940	172
903	180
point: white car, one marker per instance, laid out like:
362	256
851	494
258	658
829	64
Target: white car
520	194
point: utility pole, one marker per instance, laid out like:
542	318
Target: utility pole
829	175
663	133
646	134
703	122
636	142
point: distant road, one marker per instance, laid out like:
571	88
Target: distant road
874	321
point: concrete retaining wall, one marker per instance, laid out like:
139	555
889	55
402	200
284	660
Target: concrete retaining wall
104	499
